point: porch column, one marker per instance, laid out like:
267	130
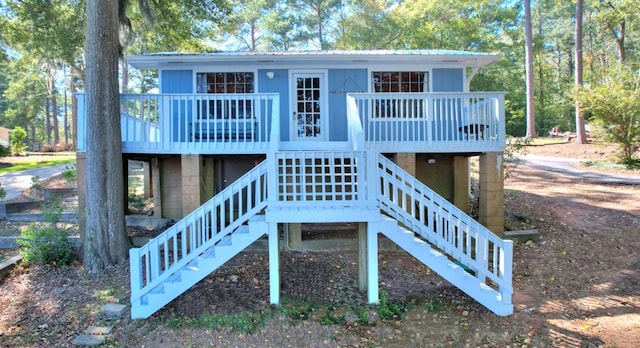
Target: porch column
294	235
274	264
362	257
81	172
372	263
190	166
491	209
157	188
146	179
461	182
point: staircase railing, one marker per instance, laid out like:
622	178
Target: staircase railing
165	254
471	245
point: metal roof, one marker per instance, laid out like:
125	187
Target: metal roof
324	58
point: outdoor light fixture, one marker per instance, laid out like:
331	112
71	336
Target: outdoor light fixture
270	74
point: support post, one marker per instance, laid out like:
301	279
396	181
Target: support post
461	182
274	264
362	257
372	263
157	190
294	235
491	209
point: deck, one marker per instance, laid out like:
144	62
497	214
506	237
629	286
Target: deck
255	123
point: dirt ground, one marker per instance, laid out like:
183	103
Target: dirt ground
577	285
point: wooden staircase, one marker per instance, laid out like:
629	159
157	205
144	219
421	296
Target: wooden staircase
198	268
392	202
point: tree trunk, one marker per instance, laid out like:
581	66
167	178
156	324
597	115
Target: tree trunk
47	107
105	242
581	135
528	39
54	115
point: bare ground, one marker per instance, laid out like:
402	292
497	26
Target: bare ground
578	286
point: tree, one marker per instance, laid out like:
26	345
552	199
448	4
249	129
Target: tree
581	135
18	135
528	39
105	241
317	15
615	105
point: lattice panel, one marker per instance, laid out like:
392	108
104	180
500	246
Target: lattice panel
311	176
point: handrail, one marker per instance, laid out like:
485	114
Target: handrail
445	226
356	133
163	255
417	122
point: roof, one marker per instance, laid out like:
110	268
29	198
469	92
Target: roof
324	58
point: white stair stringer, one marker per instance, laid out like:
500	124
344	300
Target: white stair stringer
198	268
446	268
446	239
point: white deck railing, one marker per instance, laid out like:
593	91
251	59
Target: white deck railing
247	123
204	227
192	123
431	122
446	227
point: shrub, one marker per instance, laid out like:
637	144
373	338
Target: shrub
3	193
17	138
4	151
36	184
45	243
69	174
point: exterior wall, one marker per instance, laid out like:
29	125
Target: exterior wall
176	81
340	82
279	84
447	80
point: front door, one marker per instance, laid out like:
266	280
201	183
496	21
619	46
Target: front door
309	107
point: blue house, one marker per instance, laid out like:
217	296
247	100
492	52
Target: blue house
242	144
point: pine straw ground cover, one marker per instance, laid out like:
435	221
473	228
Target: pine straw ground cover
577	286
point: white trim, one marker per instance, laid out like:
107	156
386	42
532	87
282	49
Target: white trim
222	69
324	106
397	68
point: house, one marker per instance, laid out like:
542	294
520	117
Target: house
5	137
240	144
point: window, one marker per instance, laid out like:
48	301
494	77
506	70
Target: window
400	81
224	107
406	107
225	82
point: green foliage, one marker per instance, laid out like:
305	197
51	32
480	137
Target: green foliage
17	140
45	243
69	174
390	310
245	322
36	184
614	104
3	193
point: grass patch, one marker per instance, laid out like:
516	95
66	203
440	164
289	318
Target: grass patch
36	164
546	141
246	322
611	165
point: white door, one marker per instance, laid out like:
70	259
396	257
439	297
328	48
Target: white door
309	107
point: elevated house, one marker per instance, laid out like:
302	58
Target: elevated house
242	144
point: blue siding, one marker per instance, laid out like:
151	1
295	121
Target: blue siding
448	80
176	81
341	82
278	84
